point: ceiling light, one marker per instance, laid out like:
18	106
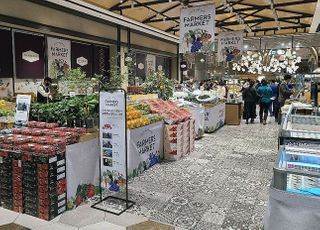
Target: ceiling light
132	4
121	1
246	46
202	60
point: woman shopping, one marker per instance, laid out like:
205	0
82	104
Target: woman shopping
265	94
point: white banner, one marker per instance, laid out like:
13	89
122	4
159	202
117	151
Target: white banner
59	57
112	140
214	117
22	108
151	64
197	28
230	45
145	148
82	160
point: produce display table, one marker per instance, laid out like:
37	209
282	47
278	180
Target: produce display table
233	113
214	116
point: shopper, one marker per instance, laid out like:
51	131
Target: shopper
249	95
284	94
265	94
43	91
274	87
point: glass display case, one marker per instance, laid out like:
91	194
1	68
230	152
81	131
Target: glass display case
297	170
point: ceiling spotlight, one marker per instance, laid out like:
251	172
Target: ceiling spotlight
121	1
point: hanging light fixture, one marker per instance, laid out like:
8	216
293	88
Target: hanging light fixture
132	4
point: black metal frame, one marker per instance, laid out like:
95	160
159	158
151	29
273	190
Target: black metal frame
129	203
239	6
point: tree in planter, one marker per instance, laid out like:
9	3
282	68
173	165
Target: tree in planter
89	109
158	83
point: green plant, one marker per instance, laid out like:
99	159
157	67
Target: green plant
76	80
158	83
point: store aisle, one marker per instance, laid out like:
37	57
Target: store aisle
222	185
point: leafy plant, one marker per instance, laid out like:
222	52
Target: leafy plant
158	83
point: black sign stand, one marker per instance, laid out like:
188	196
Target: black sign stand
124	203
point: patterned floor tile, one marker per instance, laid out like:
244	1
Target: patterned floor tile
222	185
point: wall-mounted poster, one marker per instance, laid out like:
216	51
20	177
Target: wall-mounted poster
151	64
230	45
197	27
29	55
82	57
59	57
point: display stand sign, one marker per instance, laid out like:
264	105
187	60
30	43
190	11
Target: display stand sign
230	46
59	57
113	151
22	109
197	28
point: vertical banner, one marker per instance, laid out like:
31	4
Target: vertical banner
22	109
59	57
112	140
230	46
151	64
197	28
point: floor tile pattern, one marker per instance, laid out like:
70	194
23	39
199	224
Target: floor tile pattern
222	185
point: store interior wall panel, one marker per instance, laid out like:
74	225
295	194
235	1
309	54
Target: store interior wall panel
138	39
26	10
6	62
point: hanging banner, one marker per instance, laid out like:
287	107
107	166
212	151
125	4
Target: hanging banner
22	109
151	64
230	46
59	57
112	140
197	28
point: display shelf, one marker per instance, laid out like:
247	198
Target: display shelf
297	170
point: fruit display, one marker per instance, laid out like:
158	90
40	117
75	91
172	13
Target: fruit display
6	114
169	110
138	115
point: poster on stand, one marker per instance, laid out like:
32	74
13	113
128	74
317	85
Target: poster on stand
112	140
22	109
59	57
197	28
145	148
230	46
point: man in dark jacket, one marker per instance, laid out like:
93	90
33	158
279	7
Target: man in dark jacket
249	95
284	94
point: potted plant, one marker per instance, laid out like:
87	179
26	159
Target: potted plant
158	83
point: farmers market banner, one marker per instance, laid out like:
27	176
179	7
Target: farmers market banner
112	140
145	148
230	45
59	57
197	28
151	64
82	161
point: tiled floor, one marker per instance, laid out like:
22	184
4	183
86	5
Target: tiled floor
223	184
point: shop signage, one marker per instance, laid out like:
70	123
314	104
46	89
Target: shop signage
230	45
59	58
141	66
22	109
197	28
81	61
112	140
151	63
30	56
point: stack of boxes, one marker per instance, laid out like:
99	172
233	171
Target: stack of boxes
44	183
179	139
33	169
